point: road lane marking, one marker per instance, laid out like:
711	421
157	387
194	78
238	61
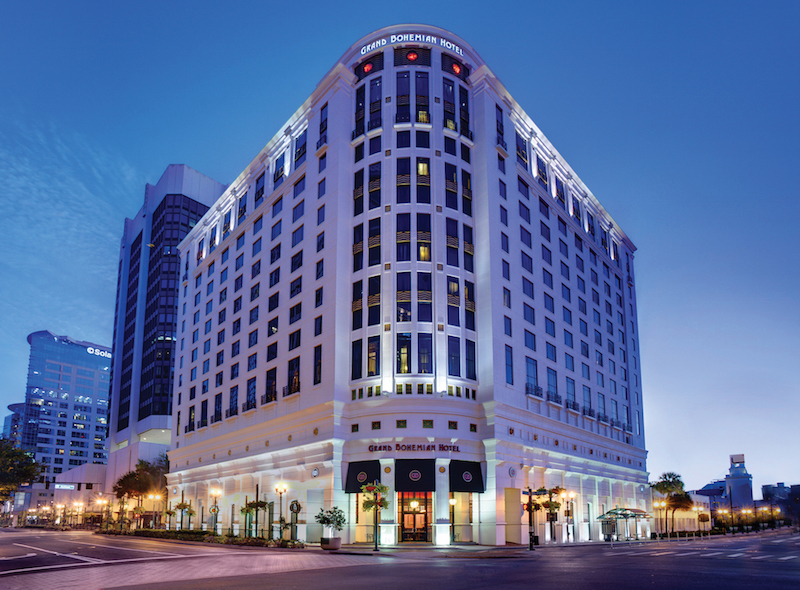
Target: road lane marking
662	553
685	554
788	557
763	556
715	553
69	555
121	548
735	554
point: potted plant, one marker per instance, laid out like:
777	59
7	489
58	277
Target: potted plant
333	520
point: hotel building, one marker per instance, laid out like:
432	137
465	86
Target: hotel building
348	312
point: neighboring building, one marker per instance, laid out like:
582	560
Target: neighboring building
12	424
739	484
775	493
66	403
145	316
348	312
689	520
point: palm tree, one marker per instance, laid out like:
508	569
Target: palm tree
679	501
668	484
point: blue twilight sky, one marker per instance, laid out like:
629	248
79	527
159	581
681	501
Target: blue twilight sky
682	117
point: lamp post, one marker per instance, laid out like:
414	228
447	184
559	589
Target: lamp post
154	498
280	489
60	508
216	493
103	503
663	506
78	510
745	516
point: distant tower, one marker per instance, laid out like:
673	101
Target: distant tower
739	483
145	315
66	403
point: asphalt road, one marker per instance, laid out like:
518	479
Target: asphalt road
37	559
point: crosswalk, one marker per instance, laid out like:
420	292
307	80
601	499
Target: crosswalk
766	552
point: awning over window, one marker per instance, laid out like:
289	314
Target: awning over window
414	475
466	476
360	473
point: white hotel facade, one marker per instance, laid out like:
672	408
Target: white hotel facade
348	311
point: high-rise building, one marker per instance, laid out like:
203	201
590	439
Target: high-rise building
350	314
145	315
12	424
66	403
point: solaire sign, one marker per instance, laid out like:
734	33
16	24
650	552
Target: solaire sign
412	38
98	352
65	486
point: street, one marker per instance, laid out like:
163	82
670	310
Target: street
33	559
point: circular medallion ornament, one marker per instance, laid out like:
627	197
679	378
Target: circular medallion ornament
387	469
414	475
314	472
466	476
512	472
295	506
214	509
442	470
361	477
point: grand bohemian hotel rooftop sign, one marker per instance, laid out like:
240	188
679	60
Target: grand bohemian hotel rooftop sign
412	38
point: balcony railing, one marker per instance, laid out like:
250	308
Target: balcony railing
573	405
291	388
531	389
232	411
402	118
616	423
188	428
552	396
627	428
248	405
502	143
374	124
202	423
424	117
268	397
466	132
359	131
322	140
602	417
216	417
588	412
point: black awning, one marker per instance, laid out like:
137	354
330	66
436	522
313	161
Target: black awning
360	473
466	476
415	475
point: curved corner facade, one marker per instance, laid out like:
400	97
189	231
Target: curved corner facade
348	313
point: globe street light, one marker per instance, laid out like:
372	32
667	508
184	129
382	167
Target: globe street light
103	502
215	493
663	505
280	489
154	498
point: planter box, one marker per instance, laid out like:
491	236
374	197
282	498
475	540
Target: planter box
331	544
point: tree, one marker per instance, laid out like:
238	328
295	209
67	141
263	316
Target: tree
669	483
16	468
678	501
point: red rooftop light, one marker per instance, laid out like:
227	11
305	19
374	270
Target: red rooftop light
367	68
457	68
412	56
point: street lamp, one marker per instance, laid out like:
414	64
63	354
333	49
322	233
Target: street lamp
280	489
154	498
745	515
60	507
663	505
215	493
78	509
103	503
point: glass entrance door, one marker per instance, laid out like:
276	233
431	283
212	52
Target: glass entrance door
415	513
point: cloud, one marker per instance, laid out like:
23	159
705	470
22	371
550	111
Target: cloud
63	201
